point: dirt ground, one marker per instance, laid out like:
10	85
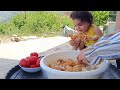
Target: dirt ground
5	39
18	50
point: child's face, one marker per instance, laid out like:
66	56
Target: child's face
81	26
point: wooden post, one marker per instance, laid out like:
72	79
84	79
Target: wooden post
118	21
118	29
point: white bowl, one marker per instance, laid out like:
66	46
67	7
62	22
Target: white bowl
70	54
30	70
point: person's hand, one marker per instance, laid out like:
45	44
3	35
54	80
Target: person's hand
85	38
95	38
82	58
74	42
71	42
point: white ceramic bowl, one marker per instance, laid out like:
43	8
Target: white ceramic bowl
30	70
71	54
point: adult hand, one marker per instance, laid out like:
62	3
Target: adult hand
82	58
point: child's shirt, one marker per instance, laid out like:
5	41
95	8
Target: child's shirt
90	33
83	36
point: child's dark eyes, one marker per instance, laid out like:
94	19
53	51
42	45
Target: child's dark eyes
78	25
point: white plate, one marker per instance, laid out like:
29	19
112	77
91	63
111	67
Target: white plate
31	70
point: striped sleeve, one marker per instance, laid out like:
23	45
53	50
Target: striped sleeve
110	49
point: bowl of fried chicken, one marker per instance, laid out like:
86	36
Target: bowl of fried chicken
64	65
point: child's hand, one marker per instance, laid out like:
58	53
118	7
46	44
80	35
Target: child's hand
74	42
73	37
71	42
95	38
86	38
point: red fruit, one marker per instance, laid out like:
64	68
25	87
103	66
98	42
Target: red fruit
38	63
34	54
33	66
33	60
24	62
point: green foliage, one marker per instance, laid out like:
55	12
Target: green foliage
40	23
100	17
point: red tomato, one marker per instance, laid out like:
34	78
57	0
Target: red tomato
38	63
34	54
33	66
33	60
25	62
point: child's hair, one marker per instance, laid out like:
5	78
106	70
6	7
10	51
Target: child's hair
82	15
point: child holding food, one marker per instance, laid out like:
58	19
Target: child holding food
87	32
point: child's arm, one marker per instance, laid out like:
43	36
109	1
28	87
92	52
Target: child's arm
98	33
81	46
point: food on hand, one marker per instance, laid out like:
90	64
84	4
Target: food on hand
82	36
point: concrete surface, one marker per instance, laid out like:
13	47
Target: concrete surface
18	50
11	53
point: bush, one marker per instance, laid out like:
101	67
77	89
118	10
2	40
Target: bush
100	17
40	23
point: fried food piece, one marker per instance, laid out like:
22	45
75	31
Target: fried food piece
68	68
73	37
59	62
77	68
71	66
82	36
76	62
69	62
